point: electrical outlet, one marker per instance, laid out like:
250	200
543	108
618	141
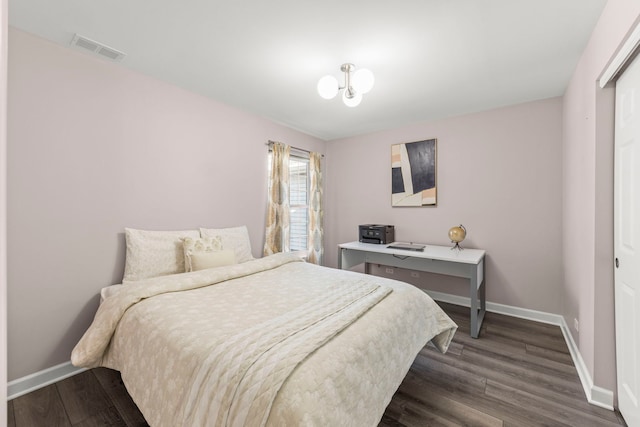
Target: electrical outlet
415	274
576	325
389	270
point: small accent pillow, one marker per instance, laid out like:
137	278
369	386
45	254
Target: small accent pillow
202	260
236	238
193	247
154	253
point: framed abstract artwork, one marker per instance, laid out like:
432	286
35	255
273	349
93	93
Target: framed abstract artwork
413	173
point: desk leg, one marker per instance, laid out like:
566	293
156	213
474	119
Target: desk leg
483	298
478	303
348	259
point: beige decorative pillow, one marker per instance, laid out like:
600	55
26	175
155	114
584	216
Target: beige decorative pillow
236	238
154	253
201	245
202	260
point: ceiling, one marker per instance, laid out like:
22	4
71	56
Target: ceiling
431	58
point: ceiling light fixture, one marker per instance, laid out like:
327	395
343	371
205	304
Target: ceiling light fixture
354	87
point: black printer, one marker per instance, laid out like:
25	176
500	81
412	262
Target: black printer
375	233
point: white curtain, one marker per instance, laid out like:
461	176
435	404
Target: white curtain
277	224
316	213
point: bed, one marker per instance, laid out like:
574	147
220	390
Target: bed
273	341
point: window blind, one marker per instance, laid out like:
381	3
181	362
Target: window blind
298	202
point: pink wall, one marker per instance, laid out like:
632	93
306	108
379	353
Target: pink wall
587	203
94	148
499	174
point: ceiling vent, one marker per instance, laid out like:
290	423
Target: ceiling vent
84	43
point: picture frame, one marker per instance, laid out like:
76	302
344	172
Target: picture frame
414	173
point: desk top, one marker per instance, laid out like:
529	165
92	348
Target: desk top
443	253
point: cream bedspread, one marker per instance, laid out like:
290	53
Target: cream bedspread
274	342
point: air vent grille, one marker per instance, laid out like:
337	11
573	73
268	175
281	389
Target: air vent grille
97	48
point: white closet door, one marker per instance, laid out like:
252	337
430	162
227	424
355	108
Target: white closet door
627	242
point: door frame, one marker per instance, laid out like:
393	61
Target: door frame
622	58
605	107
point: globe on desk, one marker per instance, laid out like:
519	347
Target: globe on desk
457	235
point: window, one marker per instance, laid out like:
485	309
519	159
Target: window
298	200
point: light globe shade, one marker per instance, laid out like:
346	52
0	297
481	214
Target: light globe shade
328	87
351	102
363	80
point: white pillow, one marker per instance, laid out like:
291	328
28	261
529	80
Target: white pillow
193	246
154	253
236	238
202	260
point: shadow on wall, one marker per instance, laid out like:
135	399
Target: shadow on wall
118	268
74	332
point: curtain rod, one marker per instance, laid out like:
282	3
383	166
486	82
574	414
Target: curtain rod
270	143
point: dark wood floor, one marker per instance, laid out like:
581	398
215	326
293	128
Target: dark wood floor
519	373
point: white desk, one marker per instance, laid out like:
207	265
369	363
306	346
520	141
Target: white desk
467	263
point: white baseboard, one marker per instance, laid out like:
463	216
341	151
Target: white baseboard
595	395
41	379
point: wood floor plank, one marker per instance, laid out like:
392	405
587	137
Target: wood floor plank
524	325
42	407
453	377
11	419
554	342
524	361
561	413
546	353
412	415
484	403
111	382
388	421
491	342
107	417
415	416
422	399
516	373
83	396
